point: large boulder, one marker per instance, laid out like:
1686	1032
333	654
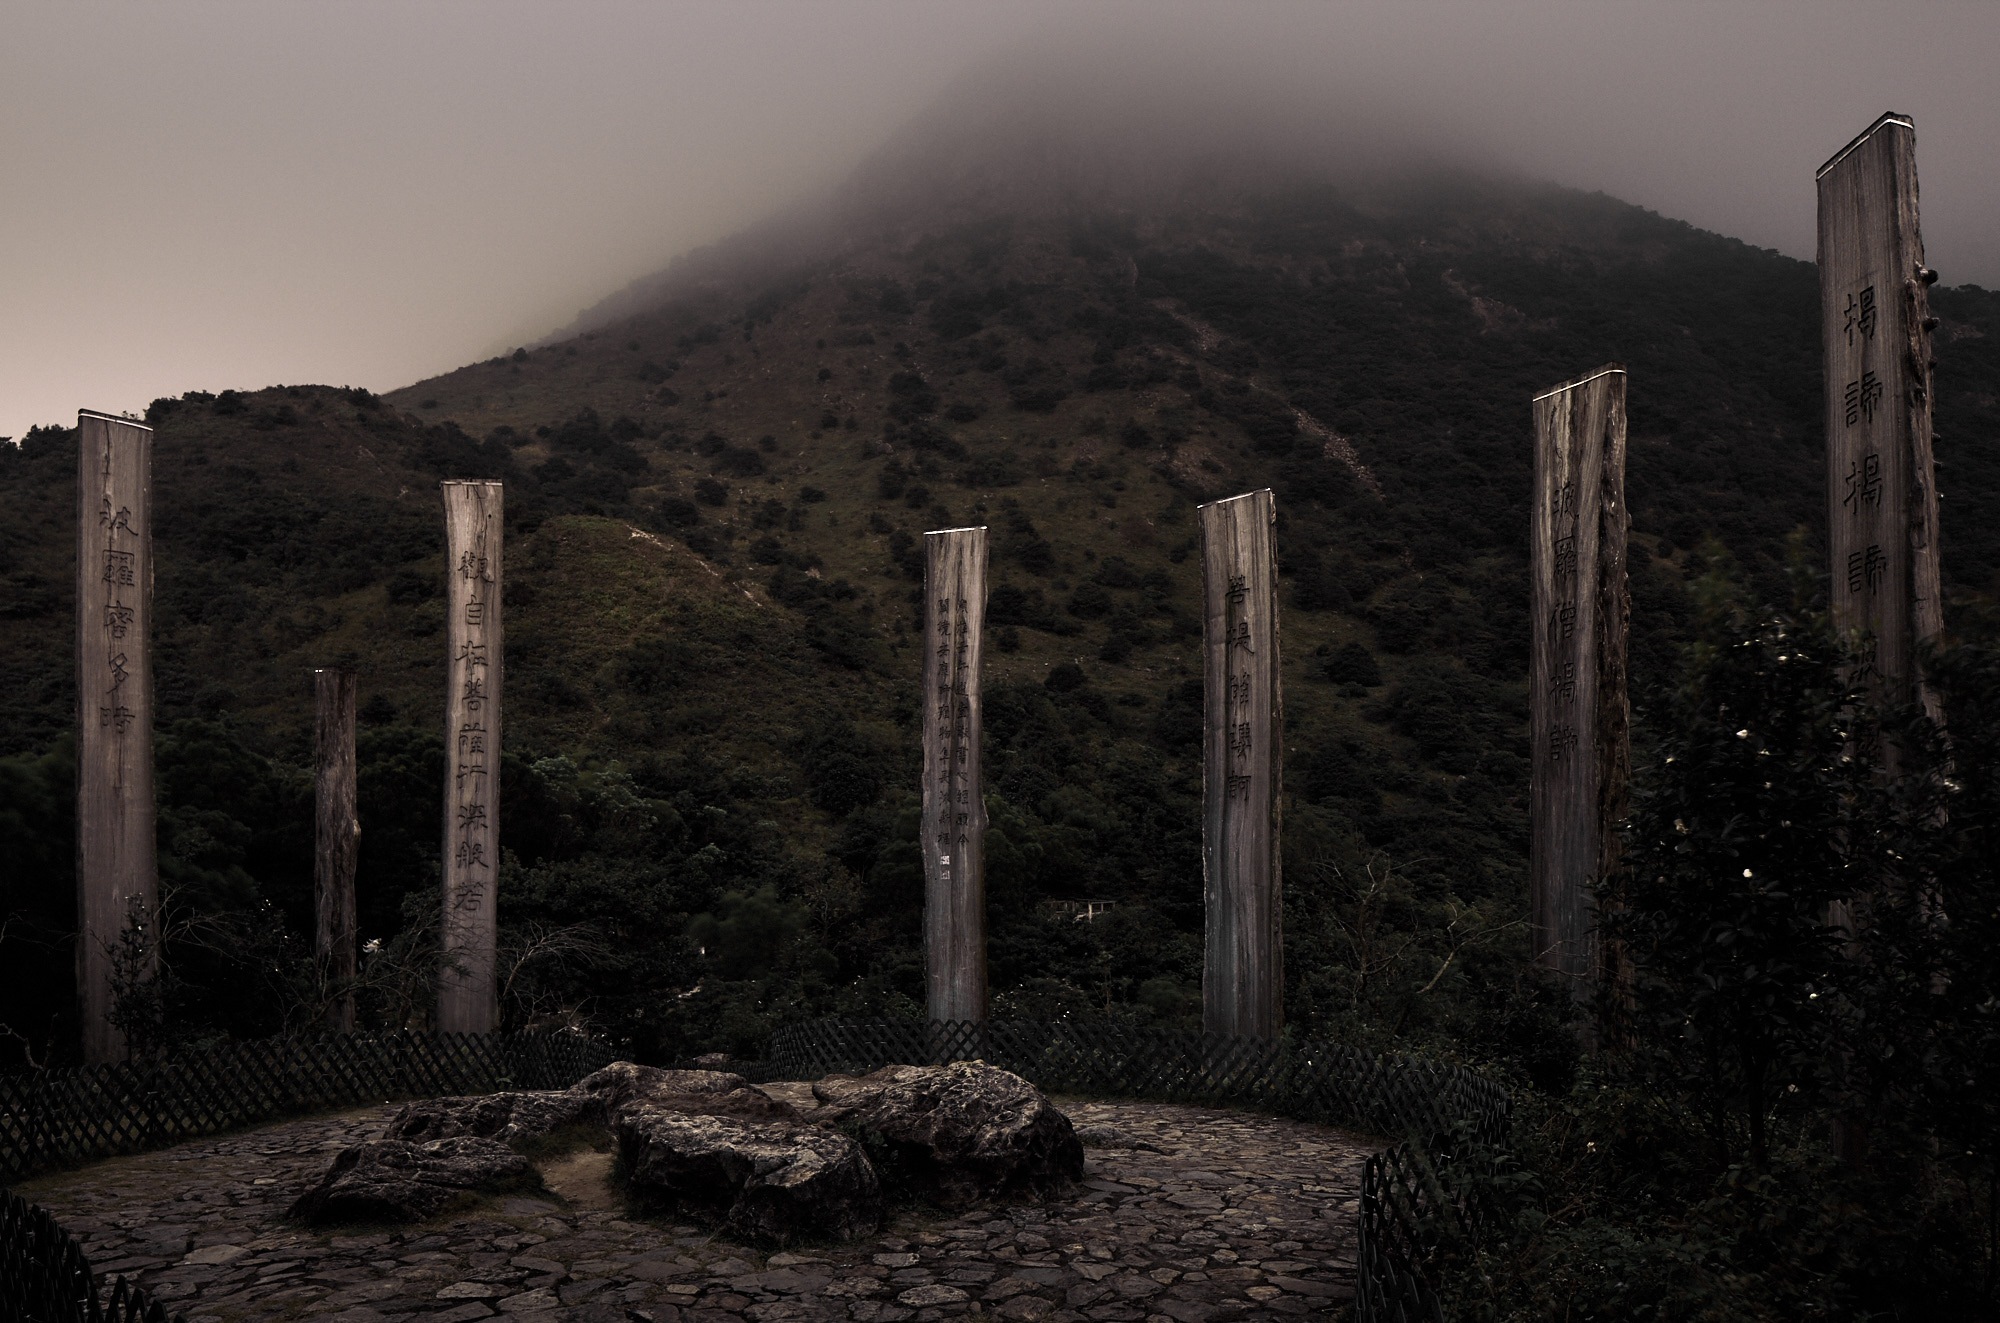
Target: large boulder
395	1180
769	1181
507	1117
621	1084
956	1133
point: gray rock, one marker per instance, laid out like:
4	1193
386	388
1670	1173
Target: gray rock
507	1117
955	1133
1106	1136
395	1180
694	1092
773	1182
624	1081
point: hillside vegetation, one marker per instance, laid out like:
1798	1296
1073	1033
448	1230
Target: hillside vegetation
714	516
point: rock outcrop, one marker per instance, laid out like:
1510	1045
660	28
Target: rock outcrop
693	1092
506	1117
709	1145
594	1100
396	1180
625	1081
954	1134
773	1182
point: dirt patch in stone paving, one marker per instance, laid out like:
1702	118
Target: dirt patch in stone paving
1186	1215
583	1180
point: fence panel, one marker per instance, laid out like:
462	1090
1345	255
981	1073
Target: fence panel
64	1117
57	1118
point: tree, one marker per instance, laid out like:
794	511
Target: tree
1737	848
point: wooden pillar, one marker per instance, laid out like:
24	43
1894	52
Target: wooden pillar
336	841
954	807
468	989
1580	612
1243	969
1882	508
117	873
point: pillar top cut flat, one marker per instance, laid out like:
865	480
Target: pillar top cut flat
113	418
1240	496
1585	380
1888	119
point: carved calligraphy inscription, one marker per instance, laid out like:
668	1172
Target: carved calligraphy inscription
467	992
1881	498
1243	964
954	811
117	881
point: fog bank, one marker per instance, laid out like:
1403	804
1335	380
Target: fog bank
235	195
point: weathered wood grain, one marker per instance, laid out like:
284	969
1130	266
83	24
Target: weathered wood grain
1580	611
336	842
117	872
954	807
1882	506
468	988
1243	969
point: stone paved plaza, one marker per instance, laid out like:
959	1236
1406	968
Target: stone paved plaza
1187	1215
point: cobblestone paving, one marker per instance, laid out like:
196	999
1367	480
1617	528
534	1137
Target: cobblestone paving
1187	1215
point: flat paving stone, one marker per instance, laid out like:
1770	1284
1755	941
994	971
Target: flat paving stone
1185	1215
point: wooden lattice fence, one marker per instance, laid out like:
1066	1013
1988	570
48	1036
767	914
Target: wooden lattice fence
64	1117
1409	1207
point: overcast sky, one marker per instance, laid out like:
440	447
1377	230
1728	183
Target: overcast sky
199	196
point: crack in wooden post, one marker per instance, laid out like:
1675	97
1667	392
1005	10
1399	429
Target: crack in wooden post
336	843
1580	611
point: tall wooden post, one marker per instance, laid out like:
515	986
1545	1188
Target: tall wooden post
1882	507
954	807
336	841
468	987
1580	612
1243	969
117	872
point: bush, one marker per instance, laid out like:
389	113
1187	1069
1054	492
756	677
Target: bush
1090	602
1064	678
1352	663
1038	399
